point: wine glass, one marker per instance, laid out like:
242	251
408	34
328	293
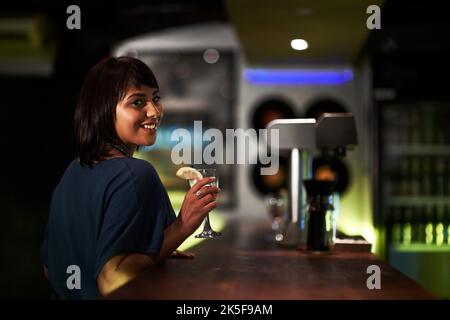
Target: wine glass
207	232
276	210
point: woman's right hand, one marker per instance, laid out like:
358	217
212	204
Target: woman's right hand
195	208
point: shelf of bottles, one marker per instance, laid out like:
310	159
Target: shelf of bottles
415	172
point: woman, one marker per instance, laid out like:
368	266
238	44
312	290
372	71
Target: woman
110	217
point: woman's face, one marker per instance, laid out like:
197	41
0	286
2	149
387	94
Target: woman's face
138	116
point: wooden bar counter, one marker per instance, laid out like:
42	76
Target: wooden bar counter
243	265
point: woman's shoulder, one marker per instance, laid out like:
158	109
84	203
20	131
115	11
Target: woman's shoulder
117	163
139	169
139	165
121	168
143	175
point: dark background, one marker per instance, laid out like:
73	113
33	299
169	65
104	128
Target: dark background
37	130
409	54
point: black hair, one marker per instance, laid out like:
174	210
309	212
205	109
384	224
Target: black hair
95	114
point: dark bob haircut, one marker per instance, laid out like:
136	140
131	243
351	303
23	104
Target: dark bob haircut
105	85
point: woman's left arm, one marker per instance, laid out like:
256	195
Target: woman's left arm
121	269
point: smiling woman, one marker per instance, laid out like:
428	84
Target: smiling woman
110	216
136	122
113	101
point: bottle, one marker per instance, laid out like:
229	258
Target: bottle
421	126
396	225
447	178
440	126
404	126
425	175
431	224
414	129
440	226
433	176
415	176
446	225
320	209
407	225
428	124
435	223
440	136
404	176
419	223
440	176
396	177
409	176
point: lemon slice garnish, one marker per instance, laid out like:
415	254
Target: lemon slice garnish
189	173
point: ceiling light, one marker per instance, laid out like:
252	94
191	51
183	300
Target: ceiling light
211	56
299	44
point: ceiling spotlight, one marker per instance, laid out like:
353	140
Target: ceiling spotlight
211	56
299	44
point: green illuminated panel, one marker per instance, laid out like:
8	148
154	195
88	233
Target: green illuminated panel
355	212
421	247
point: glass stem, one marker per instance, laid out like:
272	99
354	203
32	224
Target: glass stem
207	225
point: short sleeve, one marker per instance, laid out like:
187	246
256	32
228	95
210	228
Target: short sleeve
136	214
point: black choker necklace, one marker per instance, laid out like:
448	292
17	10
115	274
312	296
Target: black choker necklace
123	150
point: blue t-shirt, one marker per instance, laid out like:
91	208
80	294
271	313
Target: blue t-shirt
118	206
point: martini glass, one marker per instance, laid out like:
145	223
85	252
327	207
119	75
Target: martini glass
207	232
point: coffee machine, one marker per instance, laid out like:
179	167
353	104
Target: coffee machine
304	137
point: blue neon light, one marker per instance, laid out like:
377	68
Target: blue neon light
297	77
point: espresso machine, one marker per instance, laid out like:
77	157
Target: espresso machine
330	133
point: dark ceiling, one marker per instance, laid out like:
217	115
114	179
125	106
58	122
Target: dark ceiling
414	33
335	29
410	53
